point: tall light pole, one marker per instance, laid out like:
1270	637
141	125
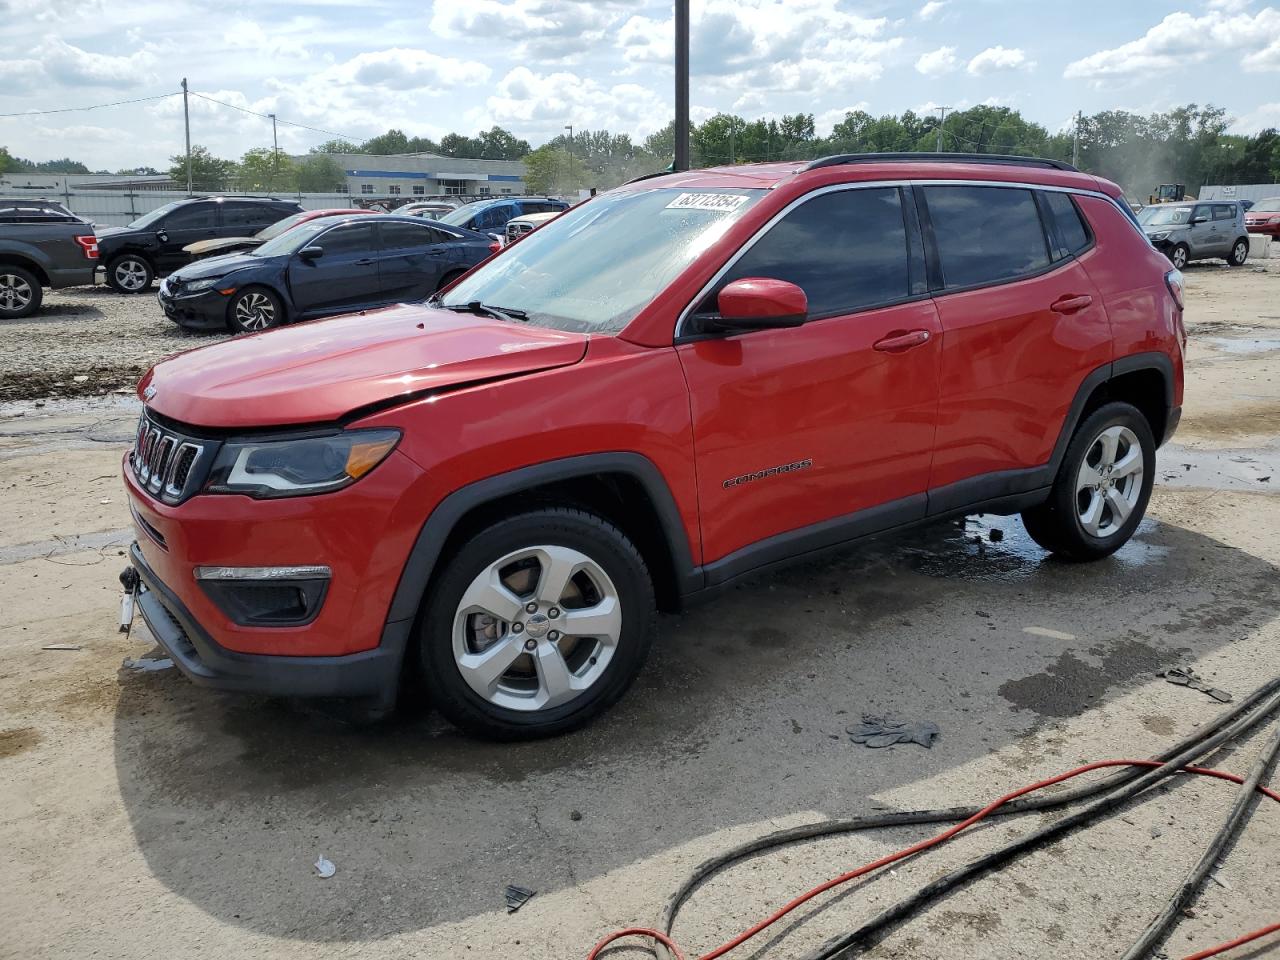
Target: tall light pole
1075	147
681	161
275	153
569	127
186	122
942	118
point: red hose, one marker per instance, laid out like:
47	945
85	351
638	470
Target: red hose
923	845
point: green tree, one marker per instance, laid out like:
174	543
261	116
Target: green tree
319	173
8	163
552	170
458	145
393	141
143	172
499	144
337	146
264	169
207	171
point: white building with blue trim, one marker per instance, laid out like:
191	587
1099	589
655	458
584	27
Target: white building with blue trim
427	174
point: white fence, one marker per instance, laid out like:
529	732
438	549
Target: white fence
113	208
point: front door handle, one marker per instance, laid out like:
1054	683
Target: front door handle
898	342
1071	304
365	262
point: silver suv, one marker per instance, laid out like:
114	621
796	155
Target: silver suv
1197	231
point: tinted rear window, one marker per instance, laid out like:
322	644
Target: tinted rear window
986	234
846	250
397	235
1075	236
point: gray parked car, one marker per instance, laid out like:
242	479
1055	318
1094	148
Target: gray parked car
42	244
1197	231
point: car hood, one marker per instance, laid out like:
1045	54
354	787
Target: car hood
320	371
216	266
221	243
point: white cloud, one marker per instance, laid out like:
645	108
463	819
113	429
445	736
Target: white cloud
1264	116
545	29
540	105
937	62
62	63
931	9
1181	39
402	68
999	58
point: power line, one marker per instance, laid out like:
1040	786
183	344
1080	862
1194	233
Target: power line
268	116
96	106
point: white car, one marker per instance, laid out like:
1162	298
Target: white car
517	227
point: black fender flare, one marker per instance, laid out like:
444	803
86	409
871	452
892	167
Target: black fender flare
425	554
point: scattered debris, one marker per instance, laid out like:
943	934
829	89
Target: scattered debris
983	614
1219	881
147	664
575	815
325	868
877	732
1186	677
105	500
1051	634
1156	832
1266	479
517	897
996	535
61	646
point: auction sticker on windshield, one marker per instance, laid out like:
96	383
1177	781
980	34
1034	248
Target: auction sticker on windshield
707	201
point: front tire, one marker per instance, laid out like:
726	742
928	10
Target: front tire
1239	253
20	293
1179	256
538	624
130	273
253	310
1102	488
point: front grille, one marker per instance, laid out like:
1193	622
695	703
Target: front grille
166	463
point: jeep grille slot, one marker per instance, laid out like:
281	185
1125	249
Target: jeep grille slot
164	461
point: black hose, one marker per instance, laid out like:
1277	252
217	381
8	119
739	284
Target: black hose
710	867
875	929
1236	819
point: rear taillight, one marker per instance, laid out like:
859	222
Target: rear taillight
494	246
1173	280
89	245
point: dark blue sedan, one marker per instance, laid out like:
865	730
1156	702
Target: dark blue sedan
321	268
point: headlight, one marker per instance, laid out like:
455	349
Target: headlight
1160	236
195	286
293	467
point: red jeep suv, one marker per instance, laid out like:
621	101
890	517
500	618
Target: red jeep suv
680	382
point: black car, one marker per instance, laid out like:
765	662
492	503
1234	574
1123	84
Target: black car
491	216
152	245
320	268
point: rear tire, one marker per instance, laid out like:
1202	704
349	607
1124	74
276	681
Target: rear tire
253	310
20	293
130	273
497	647
1239	253
448	278
1179	256
1102	488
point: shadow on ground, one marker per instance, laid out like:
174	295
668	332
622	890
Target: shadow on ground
739	717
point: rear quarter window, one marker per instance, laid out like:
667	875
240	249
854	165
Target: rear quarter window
986	234
1075	235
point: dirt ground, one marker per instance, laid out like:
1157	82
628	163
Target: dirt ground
143	817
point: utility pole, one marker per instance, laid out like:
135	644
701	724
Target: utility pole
569	127
1075	148
186	122
732	161
681	160
942	118
275	154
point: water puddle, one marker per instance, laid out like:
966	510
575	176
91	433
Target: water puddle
1255	469
1243	346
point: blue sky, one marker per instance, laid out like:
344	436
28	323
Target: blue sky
533	66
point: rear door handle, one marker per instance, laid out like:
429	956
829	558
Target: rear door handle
1071	304
897	342
365	262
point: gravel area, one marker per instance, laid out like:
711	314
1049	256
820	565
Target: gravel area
88	341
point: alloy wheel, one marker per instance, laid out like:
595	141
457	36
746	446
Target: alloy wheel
131	275
15	293
255	311
1109	481
537	628
1239	252
1179	258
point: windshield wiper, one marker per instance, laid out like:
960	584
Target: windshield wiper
485	310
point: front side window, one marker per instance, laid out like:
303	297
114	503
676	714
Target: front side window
986	234
846	250
597	266
346	240
1202	212
245	215
194	217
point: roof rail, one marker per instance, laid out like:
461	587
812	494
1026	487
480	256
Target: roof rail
939	158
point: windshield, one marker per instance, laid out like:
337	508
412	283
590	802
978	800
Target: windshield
1161	216
1269	205
296	239
592	269
459	217
280	226
147	219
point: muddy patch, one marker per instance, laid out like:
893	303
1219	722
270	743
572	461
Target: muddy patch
17	740
1070	685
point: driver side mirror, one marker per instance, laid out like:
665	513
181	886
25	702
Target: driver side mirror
1195	220
313	252
759	303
